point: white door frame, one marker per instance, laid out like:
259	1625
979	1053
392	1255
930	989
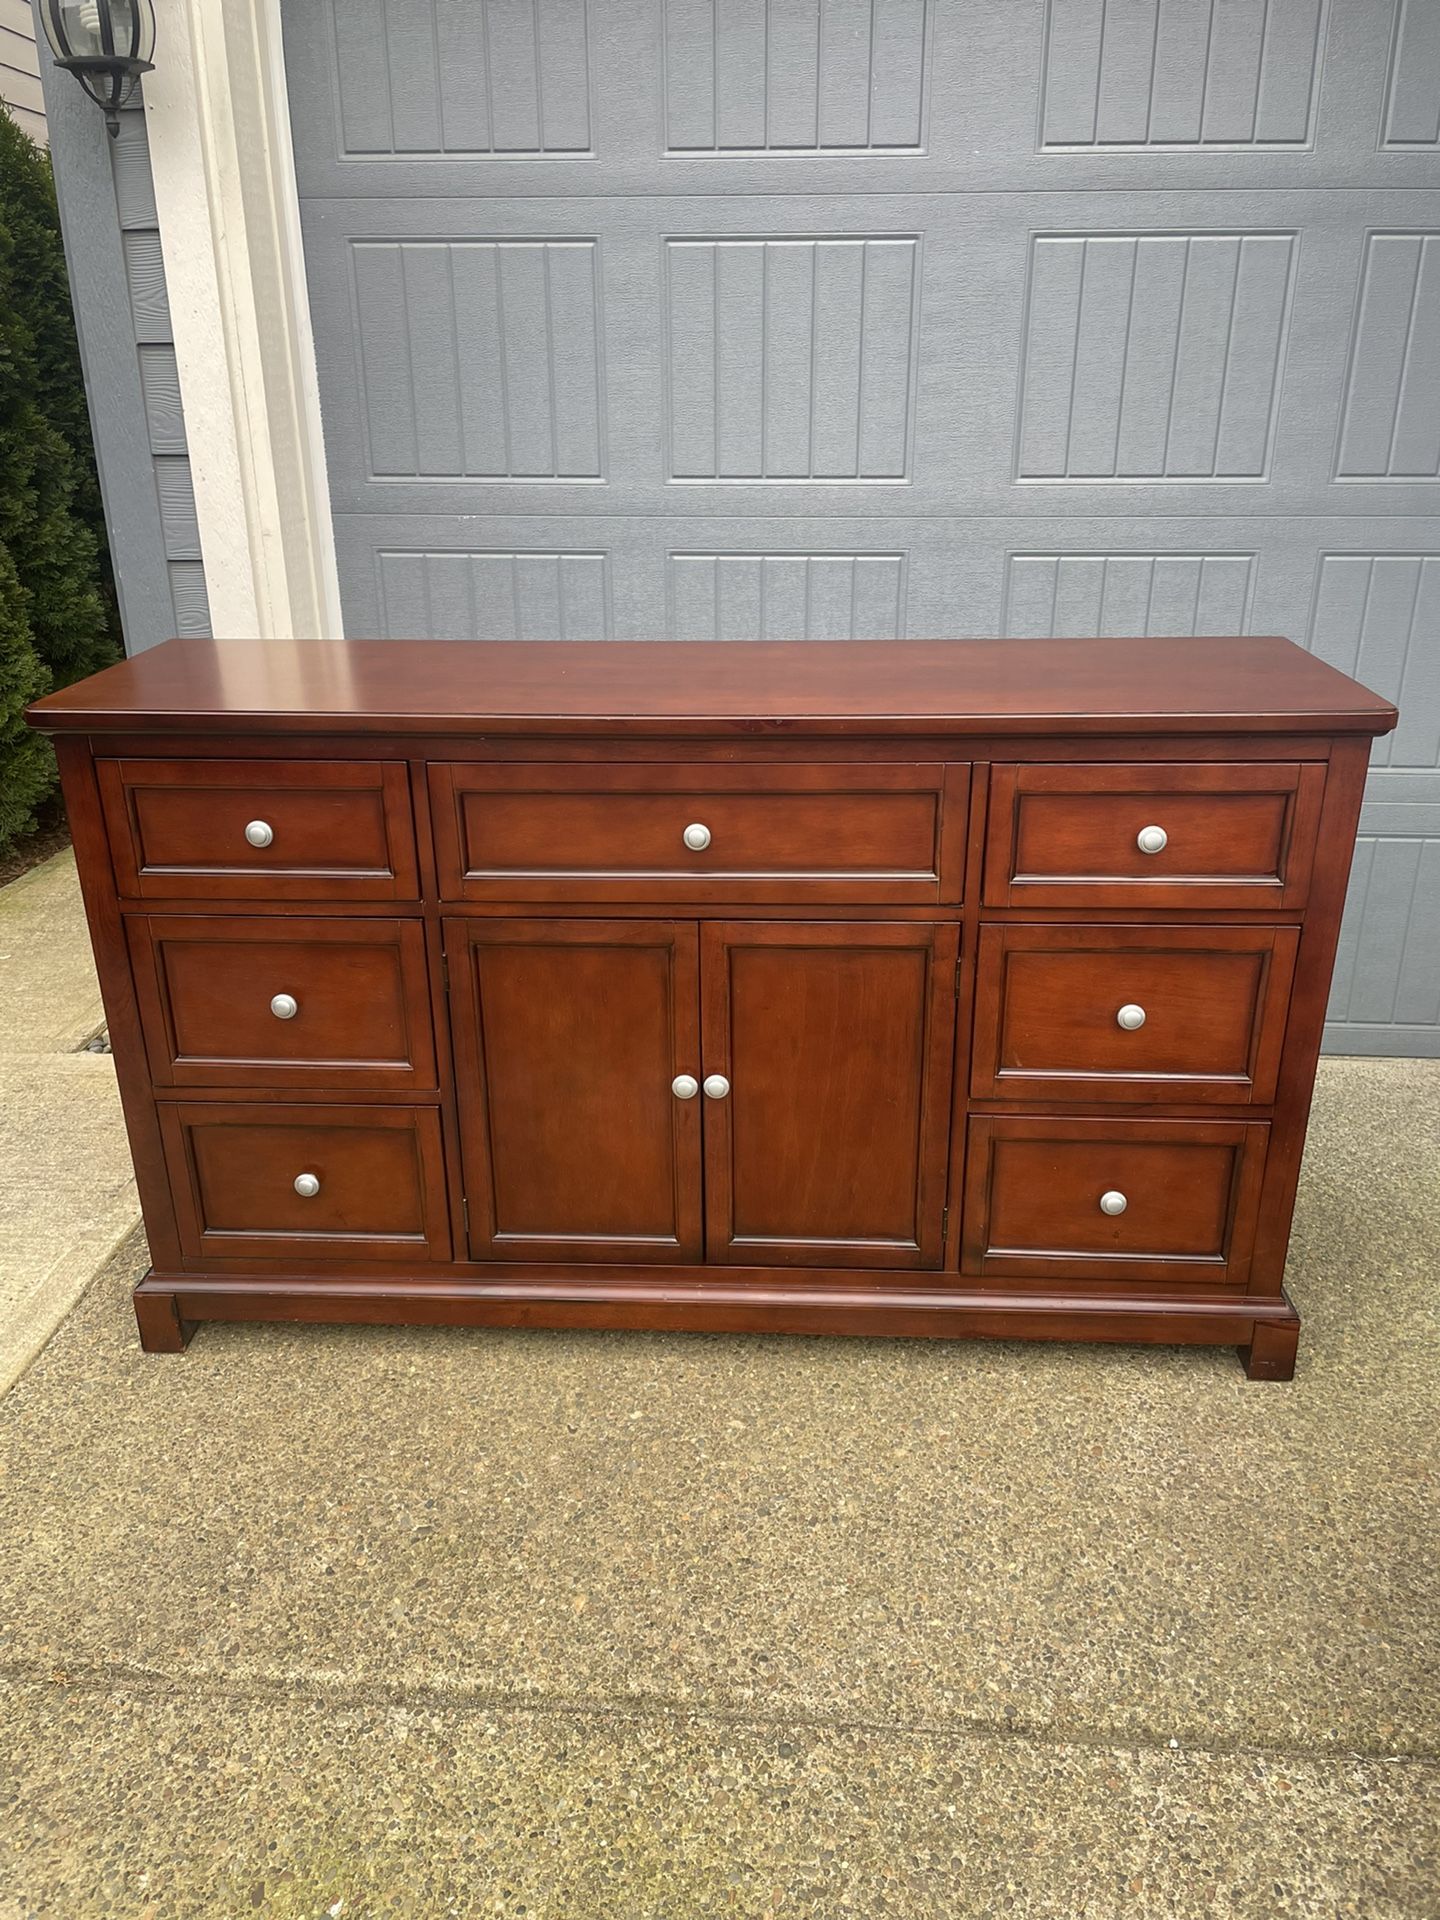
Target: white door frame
218	119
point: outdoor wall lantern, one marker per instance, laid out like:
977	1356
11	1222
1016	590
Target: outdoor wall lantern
106	44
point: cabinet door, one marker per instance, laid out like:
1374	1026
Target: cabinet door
828	1146
568	1034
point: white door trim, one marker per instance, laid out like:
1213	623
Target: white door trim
229	213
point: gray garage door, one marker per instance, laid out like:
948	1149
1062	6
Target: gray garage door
813	318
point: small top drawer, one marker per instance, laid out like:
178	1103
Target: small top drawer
260	829
880	834
1181	835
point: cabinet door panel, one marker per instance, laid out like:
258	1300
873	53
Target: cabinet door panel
829	1148
568	1034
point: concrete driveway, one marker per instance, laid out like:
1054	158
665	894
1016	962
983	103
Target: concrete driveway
357	1621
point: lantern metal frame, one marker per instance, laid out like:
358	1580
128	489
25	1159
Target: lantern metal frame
108	77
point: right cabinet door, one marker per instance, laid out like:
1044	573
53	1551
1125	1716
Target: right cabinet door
827	1052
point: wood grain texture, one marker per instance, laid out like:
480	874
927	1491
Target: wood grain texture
755	1300
1214	999
829	687
568	1035
1033	1191
342	829
837	1041
544	832
233	1165
1236	836
205	983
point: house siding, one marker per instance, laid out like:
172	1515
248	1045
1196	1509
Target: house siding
20	86
122	316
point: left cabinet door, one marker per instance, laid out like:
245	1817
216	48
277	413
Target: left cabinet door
569	1035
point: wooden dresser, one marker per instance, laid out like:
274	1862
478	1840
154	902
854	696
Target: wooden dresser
945	987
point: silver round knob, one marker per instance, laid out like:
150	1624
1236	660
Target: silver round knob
1130	1017
716	1086
284	1006
696	837
259	833
1151	839
307	1185
1113	1202
684	1086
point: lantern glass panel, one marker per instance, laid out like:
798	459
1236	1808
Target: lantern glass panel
99	29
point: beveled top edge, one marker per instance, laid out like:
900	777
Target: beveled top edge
1226	683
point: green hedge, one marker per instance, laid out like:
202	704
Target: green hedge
58	618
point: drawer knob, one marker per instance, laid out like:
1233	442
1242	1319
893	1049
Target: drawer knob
684	1086
716	1086
307	1185
696	837
1113	1202
259	833
285	1006
1130	1017
1151	839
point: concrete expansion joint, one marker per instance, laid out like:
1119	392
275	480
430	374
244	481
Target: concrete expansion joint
349	1695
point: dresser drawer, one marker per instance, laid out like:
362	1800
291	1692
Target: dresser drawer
1146	1200
370	1180
1237	835
1131	1013
279	1001
880	834
260	829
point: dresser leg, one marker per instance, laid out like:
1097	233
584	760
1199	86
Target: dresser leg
1271	1352
161	1328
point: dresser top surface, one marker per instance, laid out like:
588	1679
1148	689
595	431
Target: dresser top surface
1228	684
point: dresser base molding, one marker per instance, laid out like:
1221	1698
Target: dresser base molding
169	1307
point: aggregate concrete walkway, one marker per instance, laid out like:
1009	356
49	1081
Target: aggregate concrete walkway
361	1622
67	1196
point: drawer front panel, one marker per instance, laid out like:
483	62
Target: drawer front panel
277	1001
1131	1013
1199	836
326	829
375	1180
1144	1200
883	834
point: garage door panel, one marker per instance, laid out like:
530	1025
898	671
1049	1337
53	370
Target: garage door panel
394	90
745	577
951	362
725	320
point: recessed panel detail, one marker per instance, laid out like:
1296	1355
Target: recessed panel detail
791	359
1152	356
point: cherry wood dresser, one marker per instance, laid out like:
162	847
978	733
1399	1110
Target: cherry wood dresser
946	987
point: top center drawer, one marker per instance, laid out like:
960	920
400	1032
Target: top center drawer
885	834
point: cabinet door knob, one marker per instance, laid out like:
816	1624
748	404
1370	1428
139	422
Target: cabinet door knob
684	1086
307	1185
696	836
716	1086
284	1006
1130	1017
259	833
1113	1202
1151	839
